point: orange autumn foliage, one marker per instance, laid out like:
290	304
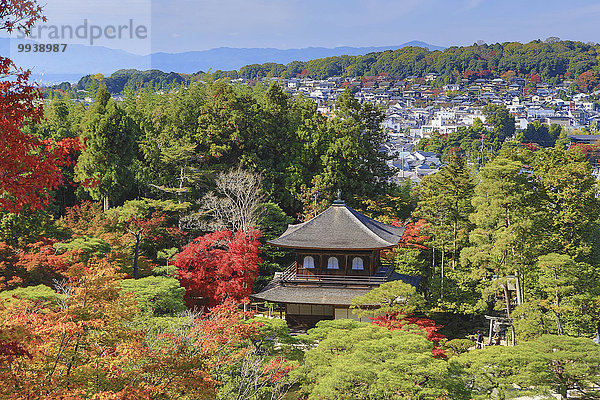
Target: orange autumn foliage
414	235
38	263
150	229
85	346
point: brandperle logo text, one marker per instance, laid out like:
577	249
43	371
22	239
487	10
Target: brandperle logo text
86	31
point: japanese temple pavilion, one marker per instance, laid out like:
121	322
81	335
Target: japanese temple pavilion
337	259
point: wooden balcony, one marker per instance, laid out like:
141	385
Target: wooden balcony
291	277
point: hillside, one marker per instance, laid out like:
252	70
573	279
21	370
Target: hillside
551	61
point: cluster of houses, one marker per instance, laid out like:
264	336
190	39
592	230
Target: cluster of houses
415	108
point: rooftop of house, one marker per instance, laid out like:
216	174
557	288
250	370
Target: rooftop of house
585	138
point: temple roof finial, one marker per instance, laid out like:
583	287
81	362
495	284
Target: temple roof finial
339	200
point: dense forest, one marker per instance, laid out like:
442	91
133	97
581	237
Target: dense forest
119	80
167	199
133	232
551	61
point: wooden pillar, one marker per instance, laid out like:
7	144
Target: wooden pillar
345	261
373	267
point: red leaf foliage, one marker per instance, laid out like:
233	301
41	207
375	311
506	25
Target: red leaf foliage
86	219
219	266
535	78
155	230
30	167
408	323
44	263
11	350
95	352
413	235
277	369
223	328
40	263
531	146
19	14
587	80
590	151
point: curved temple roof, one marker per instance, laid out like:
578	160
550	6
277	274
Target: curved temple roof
340	228
277	292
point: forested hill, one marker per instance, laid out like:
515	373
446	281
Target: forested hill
551	60
118	81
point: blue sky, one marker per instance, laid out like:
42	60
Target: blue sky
186	25
200	24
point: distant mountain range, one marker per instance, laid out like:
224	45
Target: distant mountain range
80	60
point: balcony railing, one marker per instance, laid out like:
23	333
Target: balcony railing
290	276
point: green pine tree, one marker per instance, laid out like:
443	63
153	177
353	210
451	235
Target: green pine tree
105	166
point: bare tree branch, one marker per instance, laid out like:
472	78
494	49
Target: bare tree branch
234	205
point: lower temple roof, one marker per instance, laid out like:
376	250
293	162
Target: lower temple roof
277	292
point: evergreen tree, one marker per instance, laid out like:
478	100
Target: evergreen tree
502	120
445	203
569	203
357	360
501	242
542	366
352	161
109	136
564	286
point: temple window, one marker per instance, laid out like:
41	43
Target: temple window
332	263
308	262
357	264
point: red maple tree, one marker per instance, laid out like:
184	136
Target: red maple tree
43	262
30	167
587	81
414	235
218	266
414	324
39	263
153	230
